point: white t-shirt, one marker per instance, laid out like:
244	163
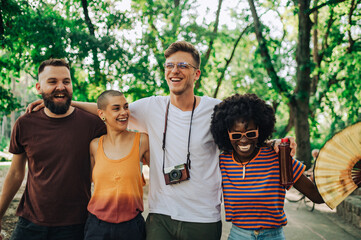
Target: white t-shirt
199	198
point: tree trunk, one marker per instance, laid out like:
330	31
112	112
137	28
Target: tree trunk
315	54
303	83
299	102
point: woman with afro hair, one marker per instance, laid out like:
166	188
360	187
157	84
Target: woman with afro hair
253	195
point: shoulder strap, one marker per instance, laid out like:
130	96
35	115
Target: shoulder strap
100	143
140	160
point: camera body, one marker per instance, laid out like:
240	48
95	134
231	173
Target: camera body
176	174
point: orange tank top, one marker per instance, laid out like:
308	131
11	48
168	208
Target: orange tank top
118	185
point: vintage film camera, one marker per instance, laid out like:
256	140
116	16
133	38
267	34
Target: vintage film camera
176	174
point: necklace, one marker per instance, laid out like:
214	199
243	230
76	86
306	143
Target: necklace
243	165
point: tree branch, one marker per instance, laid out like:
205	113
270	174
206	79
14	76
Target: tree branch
210	46
88	22
176	3
275	80
215	30
30	73
316	55
324	4
325	45
333	79
351	42
220	79
93	46
320	56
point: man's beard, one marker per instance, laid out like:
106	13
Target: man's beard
57	108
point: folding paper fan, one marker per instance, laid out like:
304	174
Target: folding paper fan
338	166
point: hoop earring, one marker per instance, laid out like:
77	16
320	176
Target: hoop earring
103	119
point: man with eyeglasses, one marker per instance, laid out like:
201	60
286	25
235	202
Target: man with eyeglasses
178	126
185	180
188	204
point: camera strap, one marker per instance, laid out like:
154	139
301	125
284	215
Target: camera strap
189	134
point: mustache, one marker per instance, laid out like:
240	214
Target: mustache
56	92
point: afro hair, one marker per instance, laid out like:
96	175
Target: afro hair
247	107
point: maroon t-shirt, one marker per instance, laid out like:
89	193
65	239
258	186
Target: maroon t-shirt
58	184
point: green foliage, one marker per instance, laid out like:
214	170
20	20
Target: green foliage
4	144
122	47
337	100
8	102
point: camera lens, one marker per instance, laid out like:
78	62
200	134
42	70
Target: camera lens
175	175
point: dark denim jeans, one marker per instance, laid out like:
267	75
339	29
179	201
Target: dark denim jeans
163	227
26	230
96	229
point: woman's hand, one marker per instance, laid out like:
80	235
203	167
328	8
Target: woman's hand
35	106
293	145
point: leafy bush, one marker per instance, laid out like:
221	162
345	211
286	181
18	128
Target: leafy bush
4	143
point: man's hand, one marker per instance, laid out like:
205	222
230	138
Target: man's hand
293	145
35	106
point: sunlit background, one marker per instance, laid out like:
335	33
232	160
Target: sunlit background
119	45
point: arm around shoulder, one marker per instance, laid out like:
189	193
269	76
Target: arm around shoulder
139	113
86	106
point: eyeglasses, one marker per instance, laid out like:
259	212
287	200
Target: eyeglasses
181	65
252	134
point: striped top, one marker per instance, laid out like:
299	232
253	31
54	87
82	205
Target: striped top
257	201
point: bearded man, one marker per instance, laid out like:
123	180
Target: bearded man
54	142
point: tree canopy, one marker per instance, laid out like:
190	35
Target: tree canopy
303	57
